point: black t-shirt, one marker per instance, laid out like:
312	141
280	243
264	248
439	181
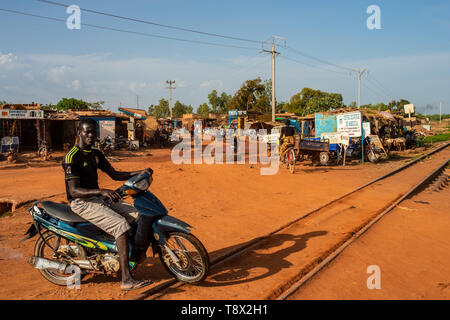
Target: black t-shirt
287	132
83	165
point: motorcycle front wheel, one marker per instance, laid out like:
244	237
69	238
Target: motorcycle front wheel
193	260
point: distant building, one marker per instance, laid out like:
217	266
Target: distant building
25	121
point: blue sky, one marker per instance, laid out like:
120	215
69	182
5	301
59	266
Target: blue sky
43	61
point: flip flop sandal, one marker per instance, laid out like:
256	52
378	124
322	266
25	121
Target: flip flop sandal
138	285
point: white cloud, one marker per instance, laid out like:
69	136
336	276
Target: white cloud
75	85
137	86
214	84
57	74
7	58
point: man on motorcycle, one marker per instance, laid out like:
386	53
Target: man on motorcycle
88	200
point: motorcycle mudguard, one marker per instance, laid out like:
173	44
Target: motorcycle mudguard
148	204
168	224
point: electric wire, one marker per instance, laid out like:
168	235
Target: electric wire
130	31
153	23
380	85
373	81
374	91
381	91
197	31
313	66
318	59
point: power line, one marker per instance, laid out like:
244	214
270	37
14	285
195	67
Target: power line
153	23
191	41
386	95
378	83
313	66
193	31
318	59
130	32
247	64
196	31
375	92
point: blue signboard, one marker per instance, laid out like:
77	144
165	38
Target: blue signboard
325	123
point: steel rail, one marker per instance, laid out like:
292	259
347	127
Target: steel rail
330	257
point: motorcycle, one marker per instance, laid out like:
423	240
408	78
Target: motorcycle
106	145
371	151
67	241
43	151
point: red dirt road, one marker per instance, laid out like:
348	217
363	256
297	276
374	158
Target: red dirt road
228	205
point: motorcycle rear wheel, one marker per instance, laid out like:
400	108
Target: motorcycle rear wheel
42	250
194	259
290	160
373	157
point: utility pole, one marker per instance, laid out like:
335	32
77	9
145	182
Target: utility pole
440	113
274	40
359	72
137	101
170	82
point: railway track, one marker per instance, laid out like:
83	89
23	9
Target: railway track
285	289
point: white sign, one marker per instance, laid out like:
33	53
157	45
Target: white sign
409	108
271	138
21	114
345	138
332	137
350	122
336	137
107	128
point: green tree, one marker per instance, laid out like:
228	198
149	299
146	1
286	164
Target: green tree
379	106
72	103
214	101
179	109
224	102
98	105
219	104
203	110
48	107
161	110
323	103
310	101
400	104
353	105
3	102
251	96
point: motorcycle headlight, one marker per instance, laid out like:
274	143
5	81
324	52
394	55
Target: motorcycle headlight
36	210
143	185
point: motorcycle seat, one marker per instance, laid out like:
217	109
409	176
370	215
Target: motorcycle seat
62	212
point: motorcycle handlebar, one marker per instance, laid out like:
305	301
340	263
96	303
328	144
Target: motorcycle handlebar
120	190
